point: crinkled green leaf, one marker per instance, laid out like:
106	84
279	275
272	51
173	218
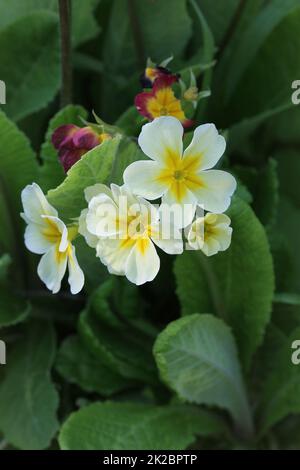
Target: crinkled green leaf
197	358
127	426
12	309
30	63
28	399
237	284
281	389
78	366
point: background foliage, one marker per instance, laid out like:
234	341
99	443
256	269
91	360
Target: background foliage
201	357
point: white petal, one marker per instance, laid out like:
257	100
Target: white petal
52	267
95	190
34	239
76	276
182	212
142	177
161	137
91	239
143	263
215	194
113	253
61	228
35	203
196	234
207	145
211	247
102	215
168	238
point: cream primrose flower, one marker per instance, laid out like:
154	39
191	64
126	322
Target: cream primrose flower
181	178
124	229
210	234
47	235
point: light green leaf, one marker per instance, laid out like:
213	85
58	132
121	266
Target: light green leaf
126	426
237	284
281	390
51	172
28	399
75	363
30	63
197	358
94	167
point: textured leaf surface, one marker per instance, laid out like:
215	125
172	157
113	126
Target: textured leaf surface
237	284
28	399
197	358
124	426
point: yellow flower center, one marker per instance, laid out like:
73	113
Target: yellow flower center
165	103
181	174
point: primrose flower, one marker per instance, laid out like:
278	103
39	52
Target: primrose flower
47	235
161	101
124	229
210	234
182	178
72	142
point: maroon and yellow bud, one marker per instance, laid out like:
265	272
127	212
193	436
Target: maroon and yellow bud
72	142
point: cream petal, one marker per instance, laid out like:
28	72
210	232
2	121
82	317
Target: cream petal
91	239
142	177
181	212
161	137
101	218
215	194
61	227
34	239
207	145
113	253
142	264
95	190
35	204
52	267
211	247
76	276
168	238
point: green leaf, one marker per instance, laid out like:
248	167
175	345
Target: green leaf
76	365
18	165
122	350
281	390
237	284
29	422
197	358
51	173
12	309
94	167
30	63
126	426
84	25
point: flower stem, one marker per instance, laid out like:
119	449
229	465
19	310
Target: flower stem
66	65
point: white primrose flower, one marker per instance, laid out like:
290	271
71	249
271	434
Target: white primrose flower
210	234
124	229
179	177
47	235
